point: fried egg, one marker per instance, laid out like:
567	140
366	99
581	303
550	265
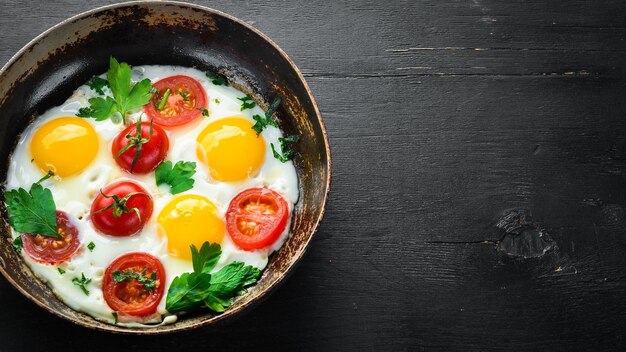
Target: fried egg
229	158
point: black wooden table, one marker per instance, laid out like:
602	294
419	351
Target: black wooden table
479	191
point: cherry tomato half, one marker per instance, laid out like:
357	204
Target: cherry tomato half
125	216
152	152
177	101
128	296
50	250
256	217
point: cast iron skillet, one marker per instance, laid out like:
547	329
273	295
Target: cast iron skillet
44	73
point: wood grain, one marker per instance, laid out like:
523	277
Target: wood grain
444	119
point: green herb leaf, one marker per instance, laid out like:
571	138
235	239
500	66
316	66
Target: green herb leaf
285	154
17	244
267	120
82	283
216	291
204	260
125	98
217	101
97	84
247	103
178	177
217	79
99	109
128	275
205	112
91	246
230	281
184	94
61	271
33	211
114	314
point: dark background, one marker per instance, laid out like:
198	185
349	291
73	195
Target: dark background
478	198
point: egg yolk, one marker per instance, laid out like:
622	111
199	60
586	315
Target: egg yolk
65	146
187	220
231	149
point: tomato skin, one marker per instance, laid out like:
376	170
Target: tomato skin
256	218
177	111
153	152
41	248
127	223
118	295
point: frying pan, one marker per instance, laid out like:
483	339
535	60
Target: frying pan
47	70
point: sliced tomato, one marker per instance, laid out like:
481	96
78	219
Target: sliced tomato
131	297
121	209
256	217
177	101
151	154
50	250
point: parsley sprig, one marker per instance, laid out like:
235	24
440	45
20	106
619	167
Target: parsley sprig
125	98
285	153
17	244
97	84
200	288
266	120
32	211
148	282
82	283
247	103
178	177
217	79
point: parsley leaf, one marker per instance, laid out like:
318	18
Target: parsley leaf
97	84
61	271
114	314
247	103
267	120
217	79
33	211
205	259
82	283
17	244
205	112
91	246
217	101
99	109
228	282
177	177
128	275
125	98
200	289
285	154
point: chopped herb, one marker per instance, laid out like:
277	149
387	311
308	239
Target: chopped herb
91	246
82	283
184	94
267	120
217	79
61	271
97	84
47	176
217	101
32	211
247	103
128	275
163	101
285	154
178	176
201	289
125	98
17	244
31	160
205	112
114	314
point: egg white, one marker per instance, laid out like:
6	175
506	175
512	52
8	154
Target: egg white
74	194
